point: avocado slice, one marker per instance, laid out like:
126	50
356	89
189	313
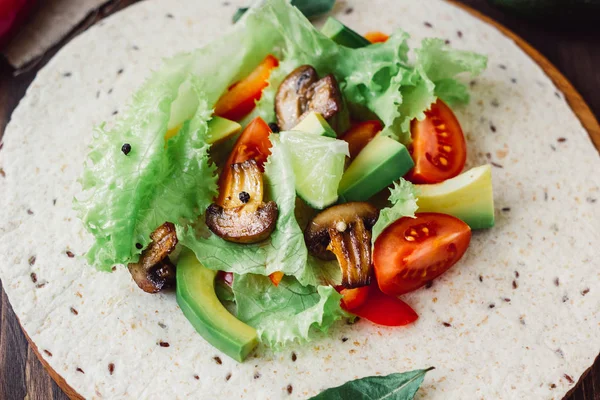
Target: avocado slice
380	163
219	130
197	299
315	123
468	197
343	35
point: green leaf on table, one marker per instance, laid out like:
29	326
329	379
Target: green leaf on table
399	386
310	8
403	204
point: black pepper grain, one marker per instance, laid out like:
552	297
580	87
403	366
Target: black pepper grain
126	148
74	311
228	377
218	360
514	285
48	353
69	254
163	344
111	368
138	246
31	260
294	356
428	24
446	324
244	197
274	127
33	276
569	379
290	389
80	370
196	377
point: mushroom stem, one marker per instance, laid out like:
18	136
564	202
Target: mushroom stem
352	248
154	271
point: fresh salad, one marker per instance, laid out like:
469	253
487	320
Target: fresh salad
283	178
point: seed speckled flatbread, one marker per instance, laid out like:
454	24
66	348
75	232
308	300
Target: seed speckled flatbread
517	318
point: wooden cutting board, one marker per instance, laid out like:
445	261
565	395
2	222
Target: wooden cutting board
22	375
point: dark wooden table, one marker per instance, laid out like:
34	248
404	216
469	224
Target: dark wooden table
576	53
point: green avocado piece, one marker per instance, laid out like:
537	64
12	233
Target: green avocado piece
197	299
315	123
468	197
221	129
379	164
343	35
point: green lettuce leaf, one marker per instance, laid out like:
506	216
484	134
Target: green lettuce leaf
399	386
283	251
285	313
376	80
403	204
127	196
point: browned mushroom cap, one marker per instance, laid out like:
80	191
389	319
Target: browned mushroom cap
301	92
154	271
243	217
344	232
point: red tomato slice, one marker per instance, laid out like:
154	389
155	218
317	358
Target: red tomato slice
376	37
412	251
438	148
353	298
253	144
242	96
276	277
360	134
382	309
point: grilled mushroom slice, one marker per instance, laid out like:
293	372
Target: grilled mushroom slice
242	216
301	92
154	271
344	232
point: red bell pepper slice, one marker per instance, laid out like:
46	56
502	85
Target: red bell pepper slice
382	309
376	37
242	96
360	134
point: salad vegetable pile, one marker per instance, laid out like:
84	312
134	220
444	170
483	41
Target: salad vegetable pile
294	176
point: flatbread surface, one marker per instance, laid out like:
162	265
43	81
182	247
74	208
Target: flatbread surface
517	318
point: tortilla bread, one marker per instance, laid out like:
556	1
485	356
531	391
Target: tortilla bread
523	306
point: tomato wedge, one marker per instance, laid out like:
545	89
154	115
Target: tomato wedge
412	251
353	298
438	147
360	134
276	277
242	96
253	144
376	37
382	309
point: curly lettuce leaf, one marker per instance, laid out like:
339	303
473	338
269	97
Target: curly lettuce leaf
127	196
124	198
285	313
403	199
283	251
377	80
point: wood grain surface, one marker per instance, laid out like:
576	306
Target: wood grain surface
574	51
